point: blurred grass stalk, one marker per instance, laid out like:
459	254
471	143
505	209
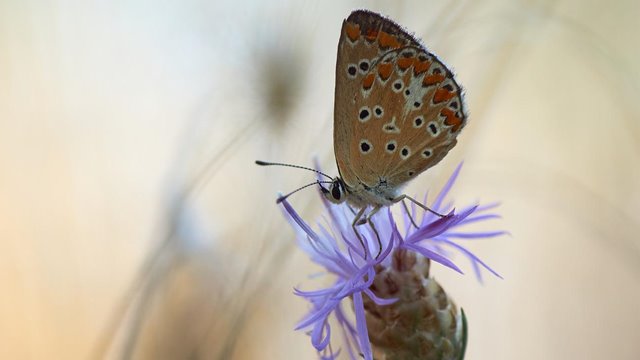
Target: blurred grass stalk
193	302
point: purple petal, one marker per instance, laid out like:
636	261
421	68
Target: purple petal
432	255
309	294
385	251
331	355
355	248
472	257
294	215
356	284
361	324
489	206
435	228
314	316
348	331
478	235
319	341
476	270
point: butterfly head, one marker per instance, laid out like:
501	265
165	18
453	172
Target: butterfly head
336	193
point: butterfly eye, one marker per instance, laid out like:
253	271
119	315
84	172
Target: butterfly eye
378	110
418	122
336	193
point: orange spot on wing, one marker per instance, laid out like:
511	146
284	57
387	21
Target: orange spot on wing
421	66
442	95
371	34
451	119
353	31
405	63
367	82
432	79
384	70
387	40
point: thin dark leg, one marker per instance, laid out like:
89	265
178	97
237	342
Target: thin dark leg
406	208
375	231
366	219
356	219
402	197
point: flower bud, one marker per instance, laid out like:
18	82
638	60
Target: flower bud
424	323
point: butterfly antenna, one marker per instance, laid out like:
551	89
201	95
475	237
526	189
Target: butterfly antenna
282	198
265	163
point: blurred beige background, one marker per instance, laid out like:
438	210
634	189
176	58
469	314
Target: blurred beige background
133	223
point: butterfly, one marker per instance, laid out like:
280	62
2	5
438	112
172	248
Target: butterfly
398	111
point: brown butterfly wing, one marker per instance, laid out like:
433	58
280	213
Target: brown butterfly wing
364	38
421	115
401	110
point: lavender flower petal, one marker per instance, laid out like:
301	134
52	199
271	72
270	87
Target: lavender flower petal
361	323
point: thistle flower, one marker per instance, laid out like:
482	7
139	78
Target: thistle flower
398	309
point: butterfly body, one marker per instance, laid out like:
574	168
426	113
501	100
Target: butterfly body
398	111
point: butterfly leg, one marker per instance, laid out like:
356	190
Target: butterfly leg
402	197
362	219
356	222
373	227
406	209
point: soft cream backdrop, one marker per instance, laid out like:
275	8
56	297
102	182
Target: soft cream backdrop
110	111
